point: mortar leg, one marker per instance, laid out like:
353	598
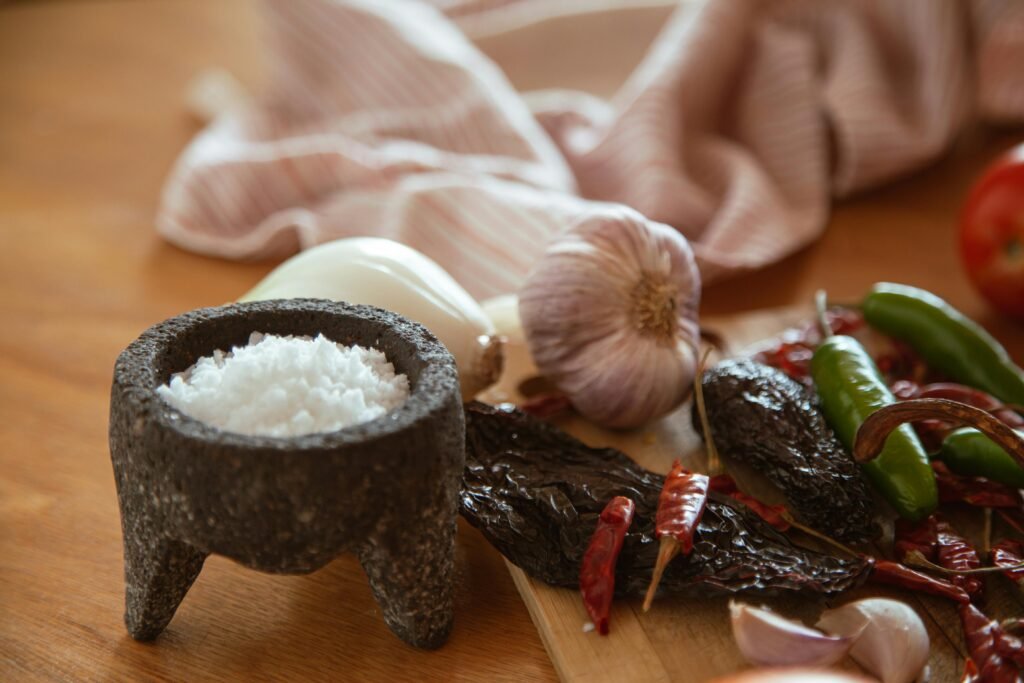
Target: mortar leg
411	572
158	573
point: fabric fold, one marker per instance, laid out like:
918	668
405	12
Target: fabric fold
741	123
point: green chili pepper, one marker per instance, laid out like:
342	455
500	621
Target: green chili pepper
850	389
948	340
968	451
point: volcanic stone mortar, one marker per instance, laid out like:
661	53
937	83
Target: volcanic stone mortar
385	489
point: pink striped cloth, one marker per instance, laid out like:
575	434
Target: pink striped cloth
740	122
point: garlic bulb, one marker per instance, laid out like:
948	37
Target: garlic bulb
389	275
766	639
892	642
610	316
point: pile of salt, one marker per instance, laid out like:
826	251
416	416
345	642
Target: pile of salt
287	386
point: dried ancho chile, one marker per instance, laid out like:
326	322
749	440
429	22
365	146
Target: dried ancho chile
536	493
762	417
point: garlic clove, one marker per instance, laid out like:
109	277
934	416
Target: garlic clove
767	639
891	640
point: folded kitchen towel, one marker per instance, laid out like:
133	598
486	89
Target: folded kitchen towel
737	127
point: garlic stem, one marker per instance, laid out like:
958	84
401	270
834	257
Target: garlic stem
654	307
714	461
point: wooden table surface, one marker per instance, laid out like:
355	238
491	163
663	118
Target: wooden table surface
90	122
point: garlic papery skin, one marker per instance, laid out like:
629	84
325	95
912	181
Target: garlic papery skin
766	639
892	642
389	275
610	316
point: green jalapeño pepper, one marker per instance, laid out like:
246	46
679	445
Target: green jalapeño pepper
968	451
948	340
850	389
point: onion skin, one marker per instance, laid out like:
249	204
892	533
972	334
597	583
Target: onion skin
610	316
892	642
767	639
383	273
792	676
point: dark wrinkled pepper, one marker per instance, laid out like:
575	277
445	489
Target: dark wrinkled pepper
535	493
597	571
761	417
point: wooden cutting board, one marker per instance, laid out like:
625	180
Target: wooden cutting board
689	640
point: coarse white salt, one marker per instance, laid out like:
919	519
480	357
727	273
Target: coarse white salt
287	386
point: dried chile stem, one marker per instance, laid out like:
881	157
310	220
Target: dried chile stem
714	339
788	516
914	558
876	428
714	461
667	550
821	307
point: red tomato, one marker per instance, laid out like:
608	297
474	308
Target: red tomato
992	233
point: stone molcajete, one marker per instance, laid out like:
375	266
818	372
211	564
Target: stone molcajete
386	490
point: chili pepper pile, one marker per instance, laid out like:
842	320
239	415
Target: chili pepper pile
995	655
572	515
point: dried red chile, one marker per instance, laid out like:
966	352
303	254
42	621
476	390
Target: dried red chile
761	417
536	493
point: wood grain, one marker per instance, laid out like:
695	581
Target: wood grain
91	120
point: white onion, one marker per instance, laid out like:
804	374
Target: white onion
392	276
